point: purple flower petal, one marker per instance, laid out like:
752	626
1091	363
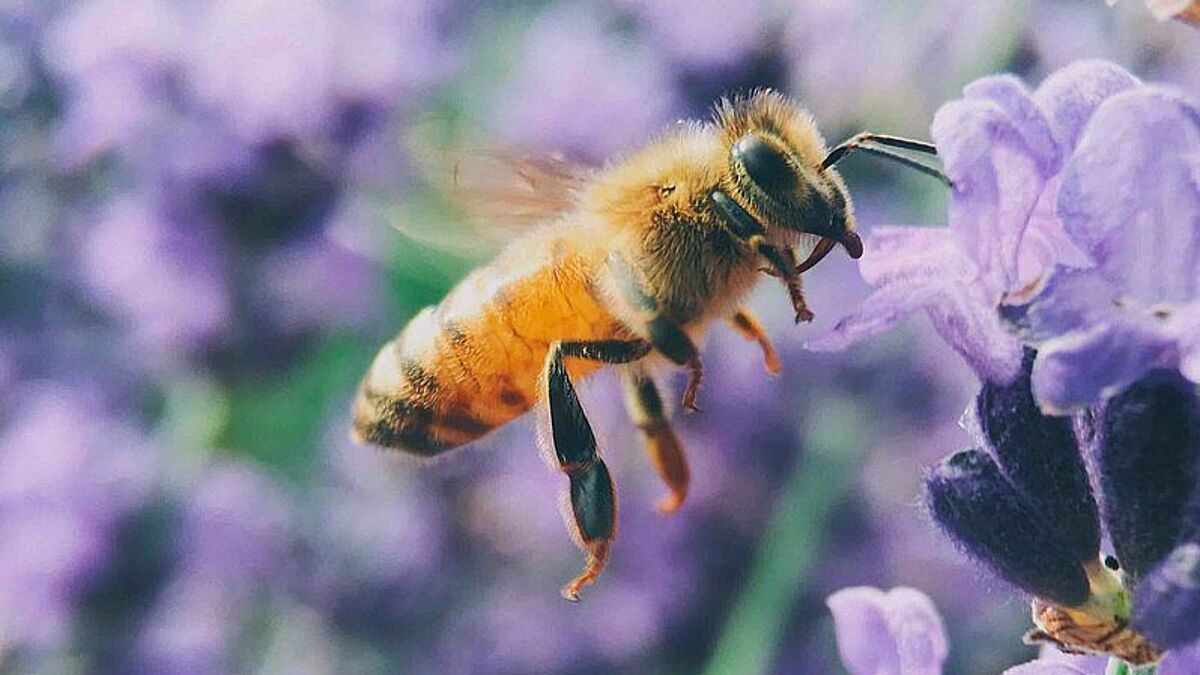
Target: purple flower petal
1041	667
975	331
1068	300
1080	368
895	633
895	254
863	639
1070	96
998	180
1011	94
1133	207
1186	324
923	268
1167	605
1182	661
879	312
917	627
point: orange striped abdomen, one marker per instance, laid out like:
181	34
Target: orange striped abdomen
472	363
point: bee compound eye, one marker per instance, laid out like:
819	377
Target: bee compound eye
764	163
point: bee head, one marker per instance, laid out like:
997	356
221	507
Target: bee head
775	172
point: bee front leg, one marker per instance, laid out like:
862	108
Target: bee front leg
784	266
645	407
593	514
749	327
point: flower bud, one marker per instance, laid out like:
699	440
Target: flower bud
988	518
1146	451
1039	455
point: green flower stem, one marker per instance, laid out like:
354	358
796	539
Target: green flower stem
791	541
1118	667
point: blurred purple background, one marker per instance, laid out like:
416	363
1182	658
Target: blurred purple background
197	262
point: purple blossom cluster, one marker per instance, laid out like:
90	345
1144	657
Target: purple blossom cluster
1071	231
224	134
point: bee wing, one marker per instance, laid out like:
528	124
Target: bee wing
495	195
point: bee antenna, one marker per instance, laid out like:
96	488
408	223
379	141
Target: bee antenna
871	143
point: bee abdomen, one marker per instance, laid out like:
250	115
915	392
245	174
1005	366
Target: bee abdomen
423	394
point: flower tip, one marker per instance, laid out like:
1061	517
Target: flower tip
1167	605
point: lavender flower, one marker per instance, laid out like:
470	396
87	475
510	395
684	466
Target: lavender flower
1068	222
895	633
703	35
554	103
234	535
139	261
68	475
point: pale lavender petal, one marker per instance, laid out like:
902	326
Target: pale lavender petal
1044	247
917	629
1011	94
1070	96
973	328
1133	207
1186	324
1083	367
893	254
1086	663
1182	661
1040	667
860	623
878	313
997	183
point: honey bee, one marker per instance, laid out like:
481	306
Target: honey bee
628	265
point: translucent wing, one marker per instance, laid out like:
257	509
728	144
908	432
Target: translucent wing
485	198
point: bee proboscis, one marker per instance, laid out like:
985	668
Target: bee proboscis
628	265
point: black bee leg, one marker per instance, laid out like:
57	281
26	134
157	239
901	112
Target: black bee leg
666	334
646	409
668	337
748	326
593	514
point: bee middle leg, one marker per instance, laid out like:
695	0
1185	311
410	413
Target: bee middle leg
593	514
664	333
748	326
645	407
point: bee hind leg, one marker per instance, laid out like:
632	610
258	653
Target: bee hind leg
666	454
748	327
593	503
